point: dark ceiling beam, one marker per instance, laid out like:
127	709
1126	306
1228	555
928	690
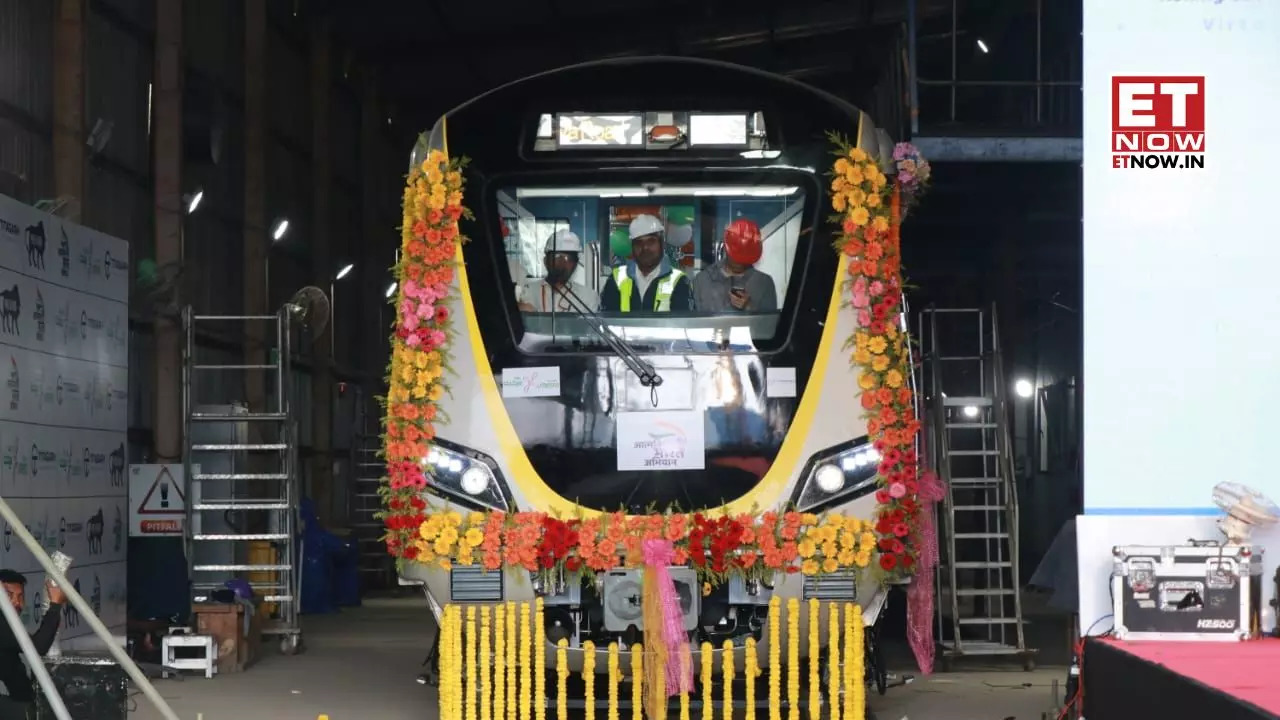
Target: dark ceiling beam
627	35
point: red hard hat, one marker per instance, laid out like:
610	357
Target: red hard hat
742	242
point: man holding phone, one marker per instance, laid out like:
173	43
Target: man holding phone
17	699
733	284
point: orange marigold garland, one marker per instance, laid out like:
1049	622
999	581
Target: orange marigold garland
869	210
420	343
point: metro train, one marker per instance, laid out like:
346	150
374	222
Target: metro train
553	408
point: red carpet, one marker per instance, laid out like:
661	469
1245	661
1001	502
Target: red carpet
1245	670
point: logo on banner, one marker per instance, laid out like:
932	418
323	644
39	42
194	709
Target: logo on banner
117	466
95	528
36	241
95	597
38	316
10	309
531	382
64	254
15	384
661	441
1157	122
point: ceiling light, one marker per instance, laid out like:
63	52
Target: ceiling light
279	229
1023	387
391	289
983	46
193	201
345	271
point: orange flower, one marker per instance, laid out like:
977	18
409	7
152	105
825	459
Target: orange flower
607	548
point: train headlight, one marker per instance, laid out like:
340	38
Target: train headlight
474	480
466	476
837	475
829	478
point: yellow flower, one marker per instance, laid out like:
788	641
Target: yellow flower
473	537
434	176
862	558
877	344
880	363
867	541
859	216
873	200
706	589
436	157
476	519
880	224
455	198
878	180
436	202
861	339
464	556
867	381
862	356
453	178
445	564
809	567
848	540
806	548
809	519
856	197
443	547
829	549
830	565
838	202
437	391
891	331
893	379
857	155
842	166
838	185
825	534
448	535
846	558
454	518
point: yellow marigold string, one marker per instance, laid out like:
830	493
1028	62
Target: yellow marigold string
851	653
445	631
775	658
615	677
708	700
526	663
793	659
684	706
751	671
512	642
539	663
815	653
589	679
727	661
637	682
458	670
658	693
835	678
469	687
499	662
562	679
859	669
486	677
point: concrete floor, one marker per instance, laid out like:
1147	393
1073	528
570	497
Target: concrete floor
361	664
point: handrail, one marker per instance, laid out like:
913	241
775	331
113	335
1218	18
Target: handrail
86	612
939	417
33	659
1007	467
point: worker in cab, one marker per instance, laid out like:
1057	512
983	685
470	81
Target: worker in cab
557	292
733	284
648	282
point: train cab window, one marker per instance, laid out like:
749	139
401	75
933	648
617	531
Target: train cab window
695	265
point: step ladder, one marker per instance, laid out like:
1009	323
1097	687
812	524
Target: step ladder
241	464
967	442
377	570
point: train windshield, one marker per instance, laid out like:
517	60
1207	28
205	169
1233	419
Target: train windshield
672	265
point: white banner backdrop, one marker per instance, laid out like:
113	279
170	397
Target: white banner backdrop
1180	262
64	357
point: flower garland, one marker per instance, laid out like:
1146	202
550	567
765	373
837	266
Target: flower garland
420	344
869	215
747	546
913	173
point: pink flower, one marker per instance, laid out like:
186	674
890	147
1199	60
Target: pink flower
864	318
409	322
426	310
860	285
861	300
897	490
437	338
413	340
901	529
877	288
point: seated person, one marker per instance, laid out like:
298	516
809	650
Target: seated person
647	283
556	292
17	699
732	283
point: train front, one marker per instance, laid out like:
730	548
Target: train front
594	377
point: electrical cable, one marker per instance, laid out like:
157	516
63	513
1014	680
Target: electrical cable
1076	701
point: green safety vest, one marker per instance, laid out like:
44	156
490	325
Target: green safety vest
661	301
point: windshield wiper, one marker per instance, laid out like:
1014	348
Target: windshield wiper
644	370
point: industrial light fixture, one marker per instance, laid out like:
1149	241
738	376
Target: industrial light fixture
279	228
983	46
1023	387
345	271
391	289
971	411
193	200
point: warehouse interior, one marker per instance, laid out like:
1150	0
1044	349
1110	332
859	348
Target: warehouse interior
251	151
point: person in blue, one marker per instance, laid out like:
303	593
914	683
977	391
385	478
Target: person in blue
648	283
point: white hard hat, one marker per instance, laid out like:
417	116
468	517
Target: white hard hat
645	225
563	241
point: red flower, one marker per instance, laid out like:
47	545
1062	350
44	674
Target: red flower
573	563
888	562
442	314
